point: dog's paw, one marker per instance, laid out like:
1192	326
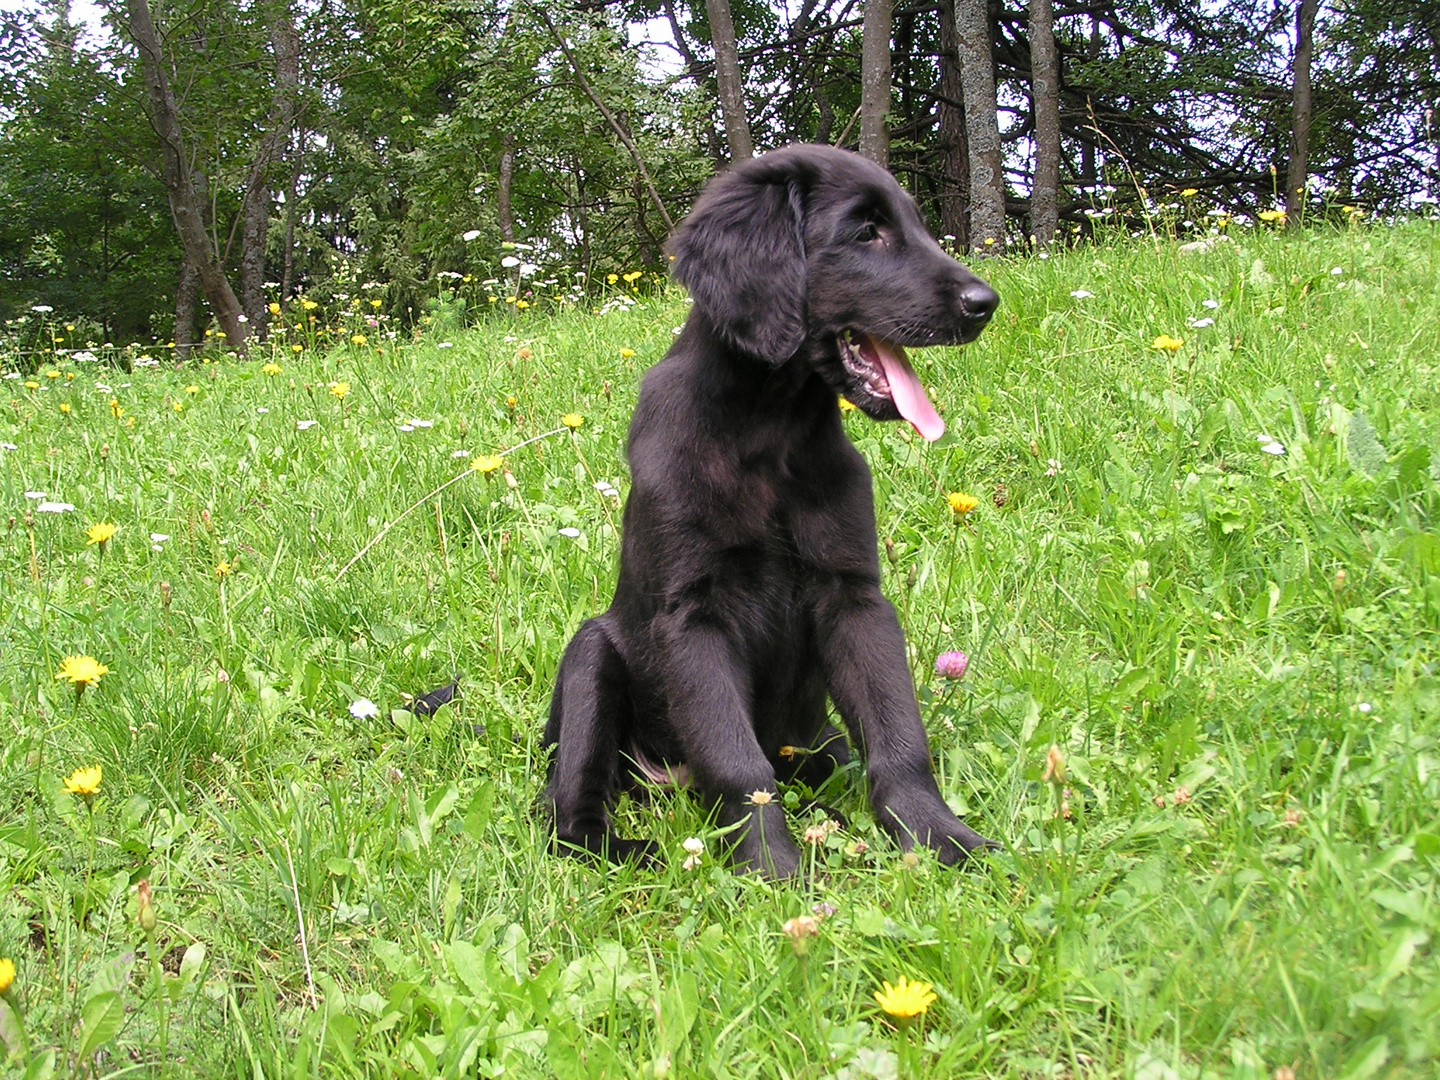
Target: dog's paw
953	842
609	848
957	843
775	861
763	846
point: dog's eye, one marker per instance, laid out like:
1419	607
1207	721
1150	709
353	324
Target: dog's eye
867	233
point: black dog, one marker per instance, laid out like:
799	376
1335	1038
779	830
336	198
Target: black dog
749	582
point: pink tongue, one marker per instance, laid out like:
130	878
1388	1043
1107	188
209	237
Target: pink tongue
905	389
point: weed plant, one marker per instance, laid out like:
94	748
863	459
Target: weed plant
1200	597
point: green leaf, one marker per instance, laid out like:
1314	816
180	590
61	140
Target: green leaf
514	950
469	965
113	977
480	812
12	1031
441	803
1369	1060
679	1006
1366	453
99	1021
192	962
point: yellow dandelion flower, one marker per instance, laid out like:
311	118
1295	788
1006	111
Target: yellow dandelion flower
1189	193
222	568
52	374
84	782
572	420
340	389
961	503
1167	343
31	384
192	389
611	279
633	276
69	376
7	975
271	368
297	348
626	354
357	339
100	533
377	303
274	309
521	305
1272	215
81	672
130	421
905	999
846	405
486	464
179	406
308	305
65	408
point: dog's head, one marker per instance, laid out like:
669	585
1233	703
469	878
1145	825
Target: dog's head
816	252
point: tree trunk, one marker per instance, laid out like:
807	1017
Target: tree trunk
977	75
875	81
507	178
1295	177
954	147
287	274
1045	93
175	173
187	296
285	43
728	81
825	123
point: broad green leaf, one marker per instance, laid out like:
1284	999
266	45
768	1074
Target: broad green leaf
100	1019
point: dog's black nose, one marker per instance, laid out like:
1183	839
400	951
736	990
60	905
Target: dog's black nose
977	300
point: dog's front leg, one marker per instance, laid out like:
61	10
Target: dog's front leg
863	652
591	703
708	696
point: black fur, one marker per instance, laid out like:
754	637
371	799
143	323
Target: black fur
749	586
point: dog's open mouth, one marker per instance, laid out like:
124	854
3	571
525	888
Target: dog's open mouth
881	369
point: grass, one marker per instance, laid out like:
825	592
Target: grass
1234	652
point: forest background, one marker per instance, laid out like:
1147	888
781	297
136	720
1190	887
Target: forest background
172	166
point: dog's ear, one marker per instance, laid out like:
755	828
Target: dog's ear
741	254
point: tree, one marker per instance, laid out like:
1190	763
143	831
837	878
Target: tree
1045	102
977	77
728	80
177	174
875	81
1296	175
954	146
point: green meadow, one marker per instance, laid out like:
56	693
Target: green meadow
1200	596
